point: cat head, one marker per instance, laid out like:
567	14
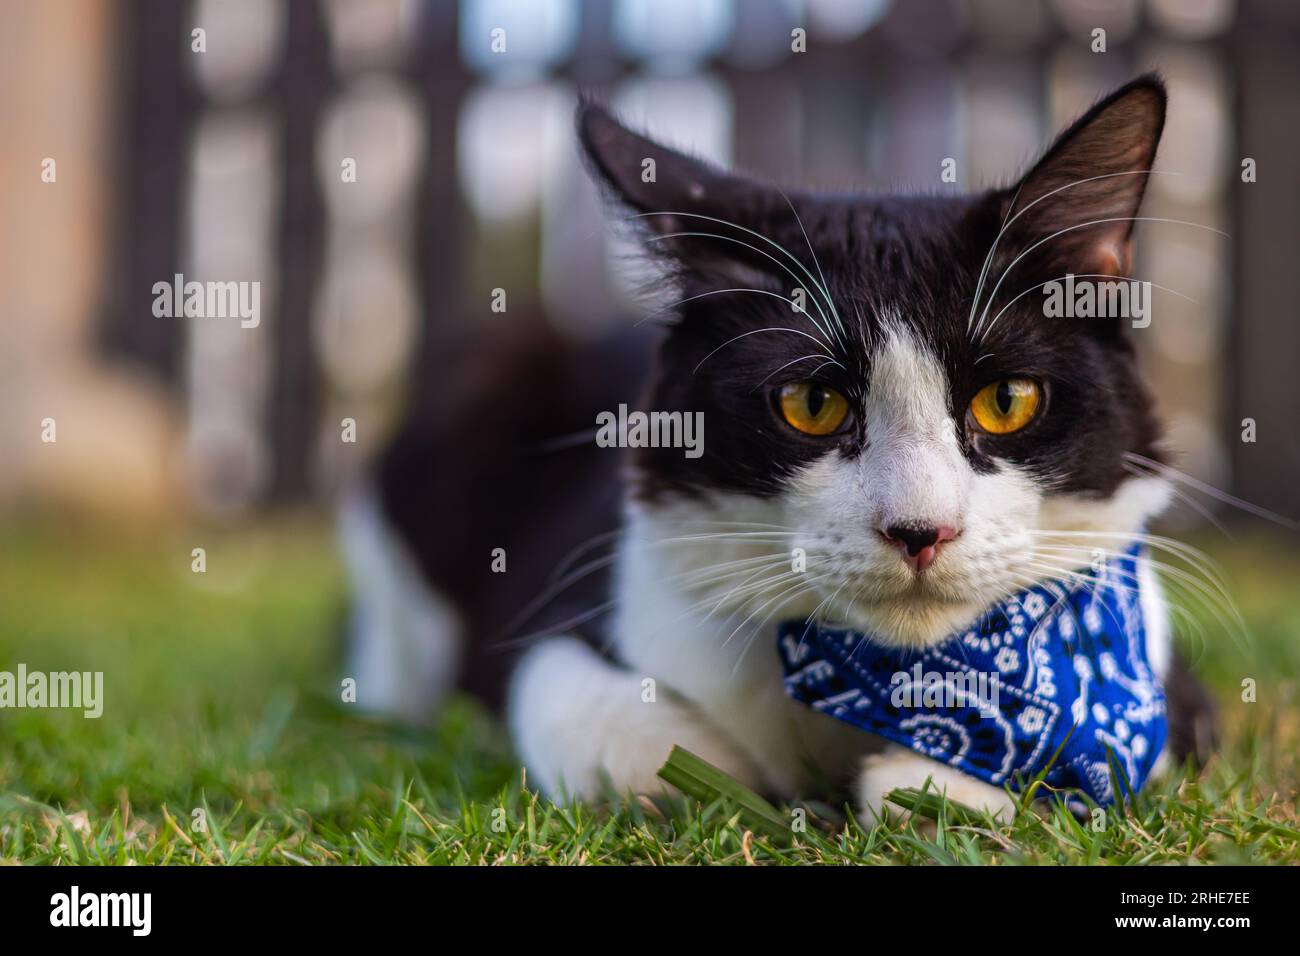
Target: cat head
881	382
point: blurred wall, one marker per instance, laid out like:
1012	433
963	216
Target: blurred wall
114	430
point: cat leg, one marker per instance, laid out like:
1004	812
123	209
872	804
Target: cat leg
578	720
405	638
897	767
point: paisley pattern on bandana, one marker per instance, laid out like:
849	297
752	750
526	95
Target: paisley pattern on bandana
1059	666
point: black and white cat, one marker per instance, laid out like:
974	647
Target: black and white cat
883	396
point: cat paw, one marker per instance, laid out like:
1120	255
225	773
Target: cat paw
583	726
897	768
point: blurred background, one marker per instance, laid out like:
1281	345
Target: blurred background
227	163
129	155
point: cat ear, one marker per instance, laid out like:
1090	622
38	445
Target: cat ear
668	193
1088	187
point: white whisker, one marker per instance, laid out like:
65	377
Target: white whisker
1092	222
756	332
1008	219
1218	494
983	332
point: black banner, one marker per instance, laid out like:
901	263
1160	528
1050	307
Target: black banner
337	905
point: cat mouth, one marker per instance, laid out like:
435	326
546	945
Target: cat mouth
924	590
910	620
922	594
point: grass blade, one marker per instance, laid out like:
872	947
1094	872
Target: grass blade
706	783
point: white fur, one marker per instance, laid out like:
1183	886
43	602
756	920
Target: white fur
705	635
406	638
898	768
1155	615
581	724
912	470
708	655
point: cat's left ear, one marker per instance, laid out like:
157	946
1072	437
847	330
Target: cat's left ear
1087	189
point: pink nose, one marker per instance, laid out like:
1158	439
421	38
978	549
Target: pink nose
918	544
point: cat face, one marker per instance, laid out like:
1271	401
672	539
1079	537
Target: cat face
880	382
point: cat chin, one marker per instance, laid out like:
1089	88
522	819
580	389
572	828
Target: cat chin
913	623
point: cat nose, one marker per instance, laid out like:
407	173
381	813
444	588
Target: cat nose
918	543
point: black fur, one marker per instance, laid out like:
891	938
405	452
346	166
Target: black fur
476	467
473	469
912	259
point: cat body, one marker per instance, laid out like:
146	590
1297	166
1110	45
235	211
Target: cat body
897	438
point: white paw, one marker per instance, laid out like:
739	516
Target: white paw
580	723
897	768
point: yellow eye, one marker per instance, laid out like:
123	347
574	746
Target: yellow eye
813	409
1006	406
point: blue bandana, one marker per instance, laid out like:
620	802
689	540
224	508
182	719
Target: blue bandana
1060	666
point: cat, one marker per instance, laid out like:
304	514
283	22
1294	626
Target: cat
885	402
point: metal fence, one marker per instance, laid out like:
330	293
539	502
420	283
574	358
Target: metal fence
234	163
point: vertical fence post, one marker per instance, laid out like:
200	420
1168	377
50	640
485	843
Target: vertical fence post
302	87
155	110
1264	331
440	228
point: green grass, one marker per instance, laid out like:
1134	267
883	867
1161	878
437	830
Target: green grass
222	696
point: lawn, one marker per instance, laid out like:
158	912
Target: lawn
223	739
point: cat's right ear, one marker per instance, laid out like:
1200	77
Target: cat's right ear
669	194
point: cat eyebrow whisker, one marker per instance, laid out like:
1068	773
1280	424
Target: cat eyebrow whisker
983	333
822	326
801	358
1092	222
988	258
1008	219
825	292
704	295
813	252
742	335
